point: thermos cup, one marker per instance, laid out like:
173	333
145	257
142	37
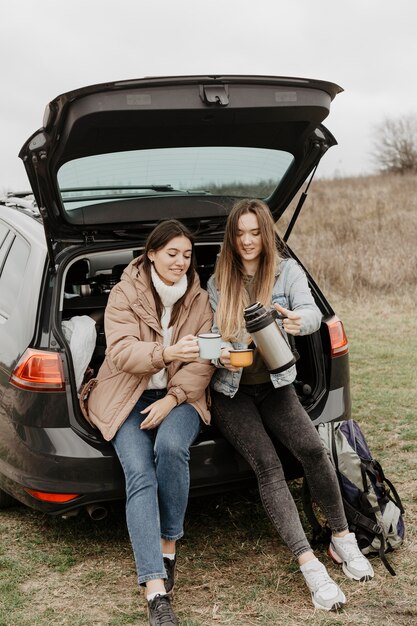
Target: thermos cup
268	338
241	358
209	345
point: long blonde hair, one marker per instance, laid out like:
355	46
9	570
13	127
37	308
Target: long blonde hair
229	271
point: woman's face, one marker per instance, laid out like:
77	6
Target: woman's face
248	241
173	260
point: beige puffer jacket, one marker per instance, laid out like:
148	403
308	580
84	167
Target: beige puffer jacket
134	353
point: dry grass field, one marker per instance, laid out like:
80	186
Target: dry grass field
358	238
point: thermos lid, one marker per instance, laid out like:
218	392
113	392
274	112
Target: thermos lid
257	317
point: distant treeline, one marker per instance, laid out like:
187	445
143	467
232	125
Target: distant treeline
261	189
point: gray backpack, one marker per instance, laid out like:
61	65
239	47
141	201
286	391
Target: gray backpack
372	505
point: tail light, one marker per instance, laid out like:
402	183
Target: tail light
39	371
52	497
338	339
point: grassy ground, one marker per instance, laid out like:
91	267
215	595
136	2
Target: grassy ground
233	568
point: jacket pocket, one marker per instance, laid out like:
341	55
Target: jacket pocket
86	391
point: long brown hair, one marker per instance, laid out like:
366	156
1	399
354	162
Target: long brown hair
229	271
161	235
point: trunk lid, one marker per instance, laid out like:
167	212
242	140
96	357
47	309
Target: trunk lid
111	160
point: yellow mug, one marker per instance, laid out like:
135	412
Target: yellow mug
241	358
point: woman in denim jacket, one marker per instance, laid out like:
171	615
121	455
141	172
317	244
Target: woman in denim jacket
250	403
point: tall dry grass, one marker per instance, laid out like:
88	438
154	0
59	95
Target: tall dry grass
358	236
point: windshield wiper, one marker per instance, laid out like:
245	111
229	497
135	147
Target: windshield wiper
119	193
109	192
121	190
117	188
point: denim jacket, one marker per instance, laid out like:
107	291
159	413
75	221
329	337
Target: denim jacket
291	291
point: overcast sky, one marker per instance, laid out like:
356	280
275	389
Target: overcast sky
368	47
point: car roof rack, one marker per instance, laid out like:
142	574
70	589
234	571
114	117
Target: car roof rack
23	200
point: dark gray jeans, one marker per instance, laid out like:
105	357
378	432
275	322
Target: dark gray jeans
245	419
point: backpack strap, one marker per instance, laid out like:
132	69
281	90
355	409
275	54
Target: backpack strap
358	520
396	499
380	477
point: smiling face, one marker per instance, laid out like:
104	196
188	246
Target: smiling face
249	242
172	261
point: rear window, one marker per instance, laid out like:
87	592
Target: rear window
221	170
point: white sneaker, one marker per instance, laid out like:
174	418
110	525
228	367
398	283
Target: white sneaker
325	593
345	551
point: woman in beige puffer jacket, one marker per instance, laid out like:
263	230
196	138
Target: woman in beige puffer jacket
149	397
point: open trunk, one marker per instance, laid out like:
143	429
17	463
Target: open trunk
86	285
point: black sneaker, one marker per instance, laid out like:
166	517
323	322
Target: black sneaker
160	612
170	570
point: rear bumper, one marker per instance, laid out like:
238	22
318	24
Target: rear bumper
58	460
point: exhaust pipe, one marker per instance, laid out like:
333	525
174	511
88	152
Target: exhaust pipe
97	512
71	513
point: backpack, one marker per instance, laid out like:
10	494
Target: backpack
372	505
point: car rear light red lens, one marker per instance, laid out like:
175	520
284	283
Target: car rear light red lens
39	371
338	339
52	497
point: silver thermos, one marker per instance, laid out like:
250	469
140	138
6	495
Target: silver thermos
262	326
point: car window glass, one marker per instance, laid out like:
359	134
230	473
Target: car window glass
218	170
3	232
11	277
5	247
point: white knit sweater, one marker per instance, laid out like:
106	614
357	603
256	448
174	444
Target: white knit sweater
169	295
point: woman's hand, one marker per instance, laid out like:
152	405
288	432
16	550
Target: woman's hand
157	412
225	360
291	322
185	350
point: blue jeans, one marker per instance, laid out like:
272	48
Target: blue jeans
155	465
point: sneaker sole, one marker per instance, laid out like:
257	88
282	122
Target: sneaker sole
338	561
337	606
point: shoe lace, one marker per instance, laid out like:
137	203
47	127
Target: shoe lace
352	552
163	607
320	579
